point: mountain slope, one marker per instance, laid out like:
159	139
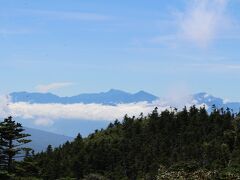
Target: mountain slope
34	97
41	139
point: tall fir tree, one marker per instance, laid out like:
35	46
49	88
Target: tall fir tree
12	142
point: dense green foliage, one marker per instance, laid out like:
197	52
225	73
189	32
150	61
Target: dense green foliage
160	146
189	144
12	140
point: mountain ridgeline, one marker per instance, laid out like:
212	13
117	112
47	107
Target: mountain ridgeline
113	96
187	144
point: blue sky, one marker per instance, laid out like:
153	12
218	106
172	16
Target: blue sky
73	46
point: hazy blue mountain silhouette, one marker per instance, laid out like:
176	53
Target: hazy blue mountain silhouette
207	99
111	97
85	127
210	100
41	139
34	97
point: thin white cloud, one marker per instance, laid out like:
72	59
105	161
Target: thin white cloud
4	109
203	20
53	86
16	31
179	95
43	122
65	15
217	67
199	23
169	40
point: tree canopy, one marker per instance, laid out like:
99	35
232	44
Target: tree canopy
190	141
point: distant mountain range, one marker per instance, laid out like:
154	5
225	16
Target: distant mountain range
209	100
114	97
111	97
41	139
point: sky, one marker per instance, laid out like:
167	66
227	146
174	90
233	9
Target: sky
69	47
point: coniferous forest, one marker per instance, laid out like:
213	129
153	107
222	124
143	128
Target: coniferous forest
186	144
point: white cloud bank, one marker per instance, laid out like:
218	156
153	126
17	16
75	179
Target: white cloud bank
47	114
78	111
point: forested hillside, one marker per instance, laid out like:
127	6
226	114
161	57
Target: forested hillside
168	145
140	147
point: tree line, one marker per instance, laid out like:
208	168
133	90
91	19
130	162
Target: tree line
190	143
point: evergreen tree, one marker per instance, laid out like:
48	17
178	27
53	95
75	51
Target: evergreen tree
12	141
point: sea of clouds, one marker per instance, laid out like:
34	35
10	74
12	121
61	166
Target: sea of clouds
47	114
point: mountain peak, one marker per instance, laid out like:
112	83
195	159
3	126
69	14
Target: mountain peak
208	99
142	92
116	91
202	94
